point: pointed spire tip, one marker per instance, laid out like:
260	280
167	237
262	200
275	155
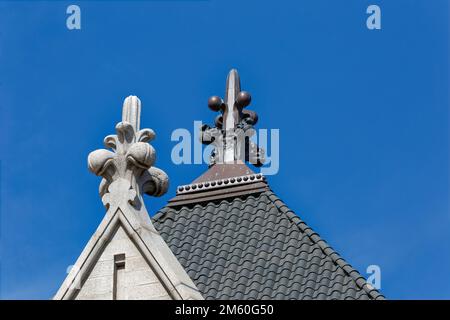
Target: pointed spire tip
131	111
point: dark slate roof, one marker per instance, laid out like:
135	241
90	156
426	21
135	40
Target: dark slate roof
254	247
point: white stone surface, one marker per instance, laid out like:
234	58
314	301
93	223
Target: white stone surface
151	270
139	280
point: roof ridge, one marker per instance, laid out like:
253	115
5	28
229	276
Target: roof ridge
326	248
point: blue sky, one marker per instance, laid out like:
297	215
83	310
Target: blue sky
363	119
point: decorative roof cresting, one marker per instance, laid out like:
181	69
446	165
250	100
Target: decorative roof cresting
128	170
233	126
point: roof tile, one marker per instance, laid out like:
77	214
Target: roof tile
255	247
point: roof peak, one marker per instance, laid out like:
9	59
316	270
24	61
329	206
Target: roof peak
224	171
228	174
220	181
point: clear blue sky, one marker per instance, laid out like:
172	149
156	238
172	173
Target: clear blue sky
363	119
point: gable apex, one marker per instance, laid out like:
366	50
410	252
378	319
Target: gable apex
145	253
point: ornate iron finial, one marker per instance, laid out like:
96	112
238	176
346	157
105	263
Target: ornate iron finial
234	126
127	170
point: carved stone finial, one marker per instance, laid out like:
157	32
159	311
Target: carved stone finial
127	170
234	126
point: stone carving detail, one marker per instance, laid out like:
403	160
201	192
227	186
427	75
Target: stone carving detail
234	126
128	170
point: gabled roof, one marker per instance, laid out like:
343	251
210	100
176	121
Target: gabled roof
235	238
129	232
250	245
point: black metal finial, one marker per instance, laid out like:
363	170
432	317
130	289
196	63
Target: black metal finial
234	125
